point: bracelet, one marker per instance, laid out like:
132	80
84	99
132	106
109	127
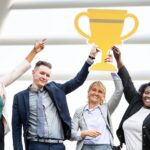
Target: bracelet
91	57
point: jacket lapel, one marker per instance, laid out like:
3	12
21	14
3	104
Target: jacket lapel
104	112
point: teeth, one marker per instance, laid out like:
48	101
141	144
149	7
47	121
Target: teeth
147	100
95	96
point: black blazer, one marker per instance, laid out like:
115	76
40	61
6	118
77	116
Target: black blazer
135	103
57	92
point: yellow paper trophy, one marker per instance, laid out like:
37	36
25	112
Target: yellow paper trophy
106	27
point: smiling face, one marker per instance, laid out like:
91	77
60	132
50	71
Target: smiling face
96	93
146	97
41	76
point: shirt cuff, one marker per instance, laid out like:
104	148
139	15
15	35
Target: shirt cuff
79	138
26	63
115	76
90	61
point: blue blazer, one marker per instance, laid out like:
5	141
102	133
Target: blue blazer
57	93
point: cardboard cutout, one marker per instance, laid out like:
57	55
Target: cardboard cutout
106	27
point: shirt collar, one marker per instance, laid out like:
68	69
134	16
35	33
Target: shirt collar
86	108
31	89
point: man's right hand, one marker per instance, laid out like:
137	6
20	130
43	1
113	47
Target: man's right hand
94	51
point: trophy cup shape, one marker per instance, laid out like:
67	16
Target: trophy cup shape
106	27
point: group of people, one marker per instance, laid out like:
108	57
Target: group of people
42	112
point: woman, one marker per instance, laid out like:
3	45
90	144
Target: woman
93	120
7	80
134	129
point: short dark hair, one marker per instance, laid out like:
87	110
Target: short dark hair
44	63
142	88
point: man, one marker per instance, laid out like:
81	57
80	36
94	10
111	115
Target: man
42	109
7	80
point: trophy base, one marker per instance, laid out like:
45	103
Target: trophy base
103	67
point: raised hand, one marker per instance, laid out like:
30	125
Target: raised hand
94	51
109	58
117	55
39	45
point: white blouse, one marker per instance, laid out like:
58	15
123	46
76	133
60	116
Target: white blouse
132	128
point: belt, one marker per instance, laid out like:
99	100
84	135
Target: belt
46	140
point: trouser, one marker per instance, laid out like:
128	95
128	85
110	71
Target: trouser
96	147
1	134
46	146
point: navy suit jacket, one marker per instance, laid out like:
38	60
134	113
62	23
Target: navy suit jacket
57	93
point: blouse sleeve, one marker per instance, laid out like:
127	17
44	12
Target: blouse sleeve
15	73
116	96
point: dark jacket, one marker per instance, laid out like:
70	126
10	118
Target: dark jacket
57	92
135	103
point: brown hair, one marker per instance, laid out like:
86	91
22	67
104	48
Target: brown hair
44	63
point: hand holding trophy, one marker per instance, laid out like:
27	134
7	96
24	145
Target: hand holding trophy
106	27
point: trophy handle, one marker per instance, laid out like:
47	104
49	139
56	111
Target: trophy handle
134	28
77	25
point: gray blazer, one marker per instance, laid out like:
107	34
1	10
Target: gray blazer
79	122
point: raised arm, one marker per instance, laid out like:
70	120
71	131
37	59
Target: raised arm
81	76
38	47
23	66
116	97
129	89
